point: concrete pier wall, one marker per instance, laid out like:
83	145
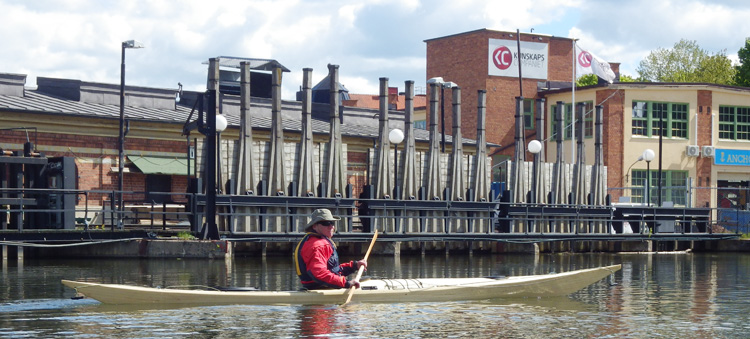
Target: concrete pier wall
221	249
142	248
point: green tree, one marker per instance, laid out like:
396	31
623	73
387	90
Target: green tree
592	79
587	80
686	62
742	77
627	78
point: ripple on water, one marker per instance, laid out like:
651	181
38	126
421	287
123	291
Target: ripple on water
44	304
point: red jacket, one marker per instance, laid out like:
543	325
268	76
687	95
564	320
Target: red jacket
317	263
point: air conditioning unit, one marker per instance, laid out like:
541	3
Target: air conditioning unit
692	151
708	151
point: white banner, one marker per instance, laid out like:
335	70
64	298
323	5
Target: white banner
503	59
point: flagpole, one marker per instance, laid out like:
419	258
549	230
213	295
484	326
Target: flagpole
572	108
518	46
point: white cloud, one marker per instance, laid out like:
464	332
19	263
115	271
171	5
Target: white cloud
368	38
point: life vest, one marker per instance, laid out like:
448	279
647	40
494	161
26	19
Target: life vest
331	274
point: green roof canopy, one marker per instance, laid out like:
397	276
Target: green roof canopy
159	165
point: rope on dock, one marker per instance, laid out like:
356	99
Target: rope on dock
82	243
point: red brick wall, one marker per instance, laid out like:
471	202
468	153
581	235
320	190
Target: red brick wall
613	113
463	60
357	162
94	169
703	166
560	66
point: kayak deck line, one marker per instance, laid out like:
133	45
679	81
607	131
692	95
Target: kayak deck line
373	290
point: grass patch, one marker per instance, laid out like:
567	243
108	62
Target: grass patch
186	236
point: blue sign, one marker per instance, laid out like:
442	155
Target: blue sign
736	157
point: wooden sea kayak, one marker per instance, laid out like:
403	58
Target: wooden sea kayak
372	291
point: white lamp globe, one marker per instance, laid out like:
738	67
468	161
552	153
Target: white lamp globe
535	146
396	136
221	123
648	155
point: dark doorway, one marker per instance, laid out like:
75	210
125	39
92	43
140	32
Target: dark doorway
156	186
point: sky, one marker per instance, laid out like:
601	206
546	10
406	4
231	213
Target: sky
368	39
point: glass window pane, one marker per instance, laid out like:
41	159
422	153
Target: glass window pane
743	132
588	122
640	123
528	113
679	118
637	192
726	131
743	115
658	116
726	114
677	187
639	109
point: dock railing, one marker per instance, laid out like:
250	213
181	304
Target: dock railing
52	209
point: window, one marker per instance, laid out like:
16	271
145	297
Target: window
638	191
528	113
673	187
588	121
420	124
648	118
677	190
566	120
734	123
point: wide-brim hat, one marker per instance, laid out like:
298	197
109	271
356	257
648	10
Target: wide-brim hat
321	214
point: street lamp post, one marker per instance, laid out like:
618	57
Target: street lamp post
213	127
534	147
661	138
121	140
221	125
627	173
443	85
396	136
648	155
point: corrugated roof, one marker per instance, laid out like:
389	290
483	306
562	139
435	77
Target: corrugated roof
255	64
361	122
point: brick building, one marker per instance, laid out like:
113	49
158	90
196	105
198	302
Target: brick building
705	125
79	119
703	149
467	60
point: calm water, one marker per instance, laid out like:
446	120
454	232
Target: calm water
654	296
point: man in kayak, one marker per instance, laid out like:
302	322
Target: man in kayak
316	259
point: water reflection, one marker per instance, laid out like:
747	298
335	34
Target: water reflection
318	321
675	295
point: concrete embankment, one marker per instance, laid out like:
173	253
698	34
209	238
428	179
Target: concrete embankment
135	248
739	245
220	249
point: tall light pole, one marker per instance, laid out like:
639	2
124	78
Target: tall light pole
661	138
535	146
443	85
396	136
648	155
121	140
213	126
